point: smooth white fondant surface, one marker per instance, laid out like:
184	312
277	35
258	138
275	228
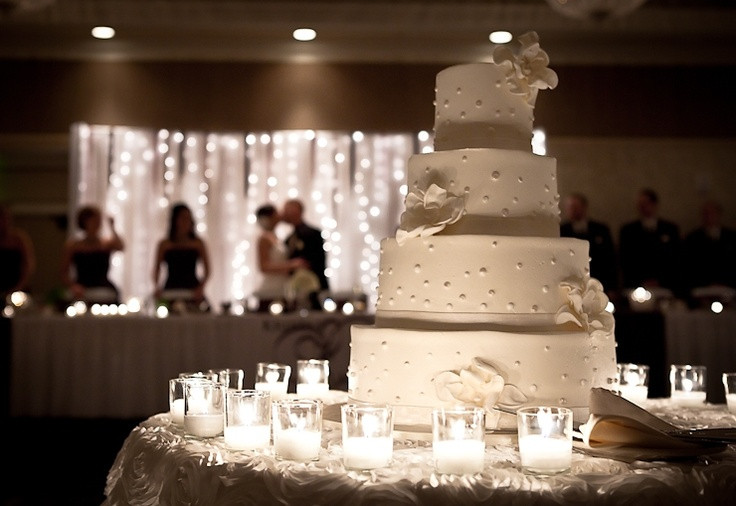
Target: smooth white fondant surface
476	278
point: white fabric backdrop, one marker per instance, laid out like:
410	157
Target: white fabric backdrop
353	186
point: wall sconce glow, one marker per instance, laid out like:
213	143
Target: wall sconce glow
500	37
103	32
304	34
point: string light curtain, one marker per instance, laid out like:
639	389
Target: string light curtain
352	184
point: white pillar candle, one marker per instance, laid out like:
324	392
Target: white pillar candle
540	454
731	402
458	456
688	399
247	437
312	390
204	425
635	393
177	411
296	444
367	452
277	389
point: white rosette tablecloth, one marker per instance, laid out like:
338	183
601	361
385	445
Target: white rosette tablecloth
160	464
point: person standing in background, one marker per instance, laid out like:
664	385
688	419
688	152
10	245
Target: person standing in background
649	247
86	261
710	251
183	252
306	242
577	224
17	256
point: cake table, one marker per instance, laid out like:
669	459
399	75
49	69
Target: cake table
160	464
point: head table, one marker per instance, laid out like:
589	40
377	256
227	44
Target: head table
160	464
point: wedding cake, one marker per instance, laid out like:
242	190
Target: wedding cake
480	301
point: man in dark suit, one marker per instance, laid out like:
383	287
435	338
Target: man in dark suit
577	224
306	242
710	251
650	247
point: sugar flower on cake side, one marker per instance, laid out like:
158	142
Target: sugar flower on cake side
429	211
478	384
586	306
526	73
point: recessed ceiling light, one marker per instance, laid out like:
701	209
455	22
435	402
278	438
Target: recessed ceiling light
304	34
500	37
103	32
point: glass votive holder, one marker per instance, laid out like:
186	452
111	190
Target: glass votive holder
297	428
458	440
367	435
247	419
204	408
273	377
729	383
633	382
545	439
687	385
176	399
232	377
312	378
210	375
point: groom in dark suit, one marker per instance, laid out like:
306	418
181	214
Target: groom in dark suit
305	242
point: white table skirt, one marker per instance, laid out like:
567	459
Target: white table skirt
119	367
702	337
160	464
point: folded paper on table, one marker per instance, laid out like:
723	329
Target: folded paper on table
622	430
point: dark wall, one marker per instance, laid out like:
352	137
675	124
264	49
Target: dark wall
47	96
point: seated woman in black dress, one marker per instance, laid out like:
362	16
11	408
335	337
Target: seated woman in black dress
86	261
17	259
183	253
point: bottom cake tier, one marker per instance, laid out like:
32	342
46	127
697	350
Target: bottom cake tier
418	370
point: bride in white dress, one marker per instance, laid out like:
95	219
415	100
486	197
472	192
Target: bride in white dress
273	261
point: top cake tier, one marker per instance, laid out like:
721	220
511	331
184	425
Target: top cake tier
474	108
491	105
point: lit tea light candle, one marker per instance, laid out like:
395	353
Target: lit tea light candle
367	436
688	399
731	402
247	437
177	411
204	425
312	378
545	439
367	452
297	444
459	456
687	384
637	394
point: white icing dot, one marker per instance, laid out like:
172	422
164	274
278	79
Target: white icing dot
429	355
595	369
398	398
546	188
447	103
545	289
491	292
586	359
564	376
430	247
553	261
546	348
535	308
370	391
426	303
464	158
386	373
457	353
391	301
563	401
447	284
483	306
485	199
413	298
449	306
504	212
399	290
462	115
390	270
532	388
483	271
417	268
459	90
384	345
426	283
519	265
512	112
521	179
595	348
572	253
372	356
517	363
467	189
463	297
407	363
515	200
494	244
495	175
478	103
510	306
583	382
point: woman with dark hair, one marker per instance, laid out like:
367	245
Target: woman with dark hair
273	261
16	256
86	261
185	256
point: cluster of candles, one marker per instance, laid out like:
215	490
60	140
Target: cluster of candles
214	403
687	384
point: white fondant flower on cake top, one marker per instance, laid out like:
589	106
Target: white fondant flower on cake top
480	385
586	306
428	212
526	73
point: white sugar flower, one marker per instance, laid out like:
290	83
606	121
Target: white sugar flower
428	212
480	385
526	73
586	306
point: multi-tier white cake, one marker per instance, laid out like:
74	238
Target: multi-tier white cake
480	301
